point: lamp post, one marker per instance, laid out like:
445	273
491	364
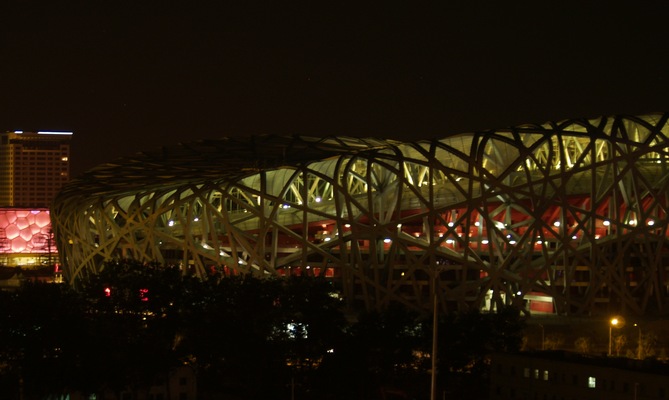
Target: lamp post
612	323
638	350
543	340
435	322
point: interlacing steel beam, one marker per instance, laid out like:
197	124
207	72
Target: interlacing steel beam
567	218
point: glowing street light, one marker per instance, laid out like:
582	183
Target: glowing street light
612	323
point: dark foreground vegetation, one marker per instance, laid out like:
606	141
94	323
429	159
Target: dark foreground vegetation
247	338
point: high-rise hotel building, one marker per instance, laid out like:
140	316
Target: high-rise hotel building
33	167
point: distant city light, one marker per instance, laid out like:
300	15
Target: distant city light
53	133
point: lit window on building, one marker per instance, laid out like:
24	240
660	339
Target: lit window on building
592	382
545	375
526	373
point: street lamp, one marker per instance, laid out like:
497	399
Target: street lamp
638	350
543	340
612	323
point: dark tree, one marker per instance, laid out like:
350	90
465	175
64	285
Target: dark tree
466	342
40	329
380	354
133	324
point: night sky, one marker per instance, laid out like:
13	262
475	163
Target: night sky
127	77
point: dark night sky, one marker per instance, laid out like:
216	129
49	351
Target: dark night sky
129	77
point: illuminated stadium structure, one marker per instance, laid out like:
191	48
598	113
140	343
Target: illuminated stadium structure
566	218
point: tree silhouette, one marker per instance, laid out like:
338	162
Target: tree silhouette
258	338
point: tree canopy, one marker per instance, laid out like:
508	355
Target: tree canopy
245	336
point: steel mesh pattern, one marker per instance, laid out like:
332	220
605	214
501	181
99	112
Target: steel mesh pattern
569	217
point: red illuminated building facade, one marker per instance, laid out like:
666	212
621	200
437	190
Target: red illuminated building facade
26	238
33	168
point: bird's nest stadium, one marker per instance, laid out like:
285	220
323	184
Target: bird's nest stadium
565	218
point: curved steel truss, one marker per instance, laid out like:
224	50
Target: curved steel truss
566	217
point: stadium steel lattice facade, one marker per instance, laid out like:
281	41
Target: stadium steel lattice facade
566	217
